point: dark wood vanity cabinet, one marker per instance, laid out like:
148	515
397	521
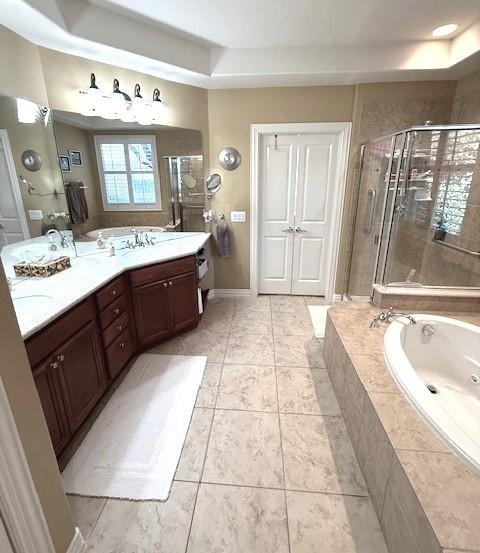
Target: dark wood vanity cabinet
164	300
76	358
47	385
69	371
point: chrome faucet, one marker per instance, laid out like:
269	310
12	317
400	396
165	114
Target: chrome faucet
64	242
388	316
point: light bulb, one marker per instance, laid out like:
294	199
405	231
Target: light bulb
27	111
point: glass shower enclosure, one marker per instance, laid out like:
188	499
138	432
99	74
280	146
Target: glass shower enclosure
418	210
187	200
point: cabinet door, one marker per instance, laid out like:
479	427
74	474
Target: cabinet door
45	380
150	304
81	373
183	302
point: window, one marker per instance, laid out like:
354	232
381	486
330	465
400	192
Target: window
456	173
128	171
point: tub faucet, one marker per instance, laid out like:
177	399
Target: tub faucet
64	242
388	316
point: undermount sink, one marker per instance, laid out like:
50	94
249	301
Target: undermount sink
27	252
30	304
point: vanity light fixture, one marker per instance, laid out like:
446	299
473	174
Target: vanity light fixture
445	30
121	106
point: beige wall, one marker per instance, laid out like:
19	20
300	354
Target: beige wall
231	112
374	109
16	374
466	105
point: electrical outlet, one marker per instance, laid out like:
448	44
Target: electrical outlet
35	214
238	216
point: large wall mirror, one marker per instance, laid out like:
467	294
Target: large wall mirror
120	175
32	196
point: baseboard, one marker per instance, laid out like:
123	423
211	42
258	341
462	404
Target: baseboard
78	544
228	293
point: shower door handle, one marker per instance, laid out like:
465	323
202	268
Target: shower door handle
372	201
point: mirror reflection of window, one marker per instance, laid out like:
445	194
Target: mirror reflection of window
128	172
455	180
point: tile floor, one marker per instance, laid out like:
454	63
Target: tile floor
267	466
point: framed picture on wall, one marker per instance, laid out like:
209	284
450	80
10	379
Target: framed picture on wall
75	157
65	164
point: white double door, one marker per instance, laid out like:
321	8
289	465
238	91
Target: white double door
297	178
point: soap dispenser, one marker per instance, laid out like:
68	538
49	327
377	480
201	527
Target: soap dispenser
101	242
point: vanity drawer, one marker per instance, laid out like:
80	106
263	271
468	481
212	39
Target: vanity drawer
114	310
154	273
119	352
110	292
47	340
114	329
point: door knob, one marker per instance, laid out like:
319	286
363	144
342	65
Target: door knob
165	284
299	229
288	229
170	283
54	365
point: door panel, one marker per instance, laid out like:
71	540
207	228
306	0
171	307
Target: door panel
314	205
278	174
183	301
82	373
152	316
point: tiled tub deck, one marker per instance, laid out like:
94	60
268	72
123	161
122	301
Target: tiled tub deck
426	498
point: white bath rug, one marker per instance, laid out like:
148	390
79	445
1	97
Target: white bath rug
318	314
133	448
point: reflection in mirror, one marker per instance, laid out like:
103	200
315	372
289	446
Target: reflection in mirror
32	197
124	175
214	183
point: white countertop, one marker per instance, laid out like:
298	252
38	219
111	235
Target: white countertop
88	273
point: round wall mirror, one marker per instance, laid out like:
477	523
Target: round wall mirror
229	158
32	160
214	183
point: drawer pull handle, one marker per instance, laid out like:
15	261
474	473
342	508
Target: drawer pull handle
114	292
122	344
119	328
116	311
54	365
61	357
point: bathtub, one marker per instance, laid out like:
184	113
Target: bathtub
436	364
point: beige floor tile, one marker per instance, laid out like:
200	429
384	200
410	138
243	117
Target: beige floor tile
85	512
204	342
288	304
146	526
318	455
252	322
251	387
207	394
260	303
297	323
195	446
330	523
244	449
230	519
250	349
306	391
315	300
298	351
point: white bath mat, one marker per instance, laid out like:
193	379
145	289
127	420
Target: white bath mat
133	448
318	314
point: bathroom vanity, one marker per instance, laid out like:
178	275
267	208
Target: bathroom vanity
77	355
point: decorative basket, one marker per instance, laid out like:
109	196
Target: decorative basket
42	269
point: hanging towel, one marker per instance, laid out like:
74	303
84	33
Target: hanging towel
223	238
77	202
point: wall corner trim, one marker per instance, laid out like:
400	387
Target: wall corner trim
78	544
21	509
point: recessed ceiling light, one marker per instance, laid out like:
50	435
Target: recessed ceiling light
445	30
